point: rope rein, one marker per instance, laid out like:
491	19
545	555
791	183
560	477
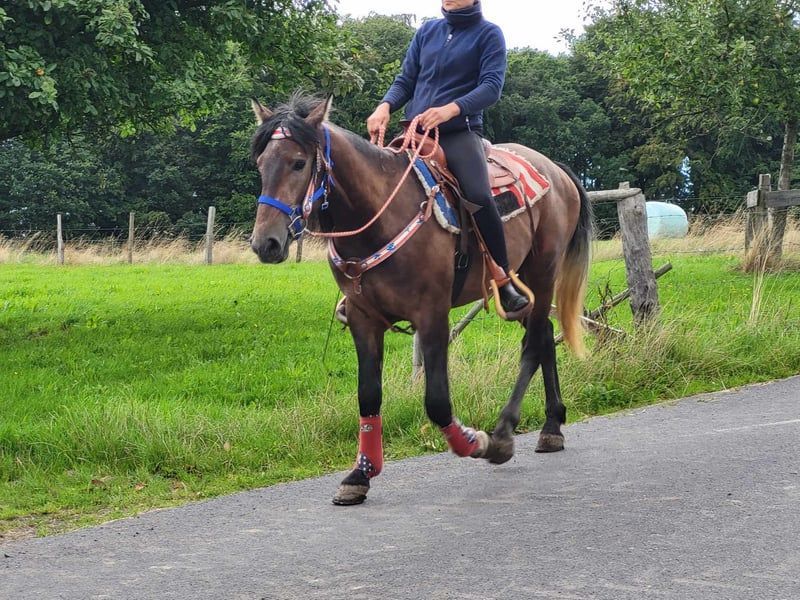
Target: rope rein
409	142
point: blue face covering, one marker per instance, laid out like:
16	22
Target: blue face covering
464	17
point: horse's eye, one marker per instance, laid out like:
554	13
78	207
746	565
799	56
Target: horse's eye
299	165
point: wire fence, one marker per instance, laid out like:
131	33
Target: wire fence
708	234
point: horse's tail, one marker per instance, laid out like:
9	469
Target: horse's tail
574	273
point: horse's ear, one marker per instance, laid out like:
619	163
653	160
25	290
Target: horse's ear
320	113
262	113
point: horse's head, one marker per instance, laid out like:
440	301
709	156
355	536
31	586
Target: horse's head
286	149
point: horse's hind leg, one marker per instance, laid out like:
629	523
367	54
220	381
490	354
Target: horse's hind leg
538	348
550	438
368	337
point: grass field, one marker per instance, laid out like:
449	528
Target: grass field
130	387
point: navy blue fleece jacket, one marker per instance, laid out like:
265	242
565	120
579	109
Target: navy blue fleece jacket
446	63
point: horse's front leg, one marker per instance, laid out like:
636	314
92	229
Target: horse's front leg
368	337
434	336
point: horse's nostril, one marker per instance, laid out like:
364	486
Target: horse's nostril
272	245
269	250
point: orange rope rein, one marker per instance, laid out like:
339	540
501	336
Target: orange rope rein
409	142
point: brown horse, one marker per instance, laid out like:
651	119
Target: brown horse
297	152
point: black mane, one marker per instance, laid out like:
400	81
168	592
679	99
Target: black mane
291	115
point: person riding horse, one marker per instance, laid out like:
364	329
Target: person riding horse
454	69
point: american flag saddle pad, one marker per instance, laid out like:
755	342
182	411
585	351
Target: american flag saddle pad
514	181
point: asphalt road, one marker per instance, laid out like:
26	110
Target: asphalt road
698	499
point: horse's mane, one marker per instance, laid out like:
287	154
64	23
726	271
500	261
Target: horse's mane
291	115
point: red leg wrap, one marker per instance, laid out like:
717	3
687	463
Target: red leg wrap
462	440
370	446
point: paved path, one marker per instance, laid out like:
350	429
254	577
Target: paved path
698	499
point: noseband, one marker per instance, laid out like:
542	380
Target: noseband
323	168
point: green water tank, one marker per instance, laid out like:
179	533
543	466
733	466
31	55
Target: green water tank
666	220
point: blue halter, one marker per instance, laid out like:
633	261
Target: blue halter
295	214
298	214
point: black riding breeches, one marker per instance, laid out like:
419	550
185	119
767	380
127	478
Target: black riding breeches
466	159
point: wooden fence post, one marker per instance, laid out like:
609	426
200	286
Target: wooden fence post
417	362
462	324
130	237
777	216
212	212
632	213
758	218
59	239
300	248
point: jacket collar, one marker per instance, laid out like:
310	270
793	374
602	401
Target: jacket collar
464	17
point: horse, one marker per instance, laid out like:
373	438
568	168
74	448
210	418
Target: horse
311	169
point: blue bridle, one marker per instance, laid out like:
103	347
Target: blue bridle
298	214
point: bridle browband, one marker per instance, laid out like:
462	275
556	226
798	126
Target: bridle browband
322	168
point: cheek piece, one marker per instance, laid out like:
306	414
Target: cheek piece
463	441
370	446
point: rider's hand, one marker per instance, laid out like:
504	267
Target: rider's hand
433	117
379	120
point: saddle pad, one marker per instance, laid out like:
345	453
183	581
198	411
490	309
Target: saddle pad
527	184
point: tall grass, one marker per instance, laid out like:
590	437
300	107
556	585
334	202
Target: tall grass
157	250
724	235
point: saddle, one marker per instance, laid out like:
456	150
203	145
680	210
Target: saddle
503	173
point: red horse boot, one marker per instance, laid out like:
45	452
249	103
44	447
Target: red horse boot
465	441
369	463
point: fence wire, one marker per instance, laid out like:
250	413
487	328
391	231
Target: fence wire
111	240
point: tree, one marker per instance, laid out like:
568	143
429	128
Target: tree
715	77
380	44
138	64
72	180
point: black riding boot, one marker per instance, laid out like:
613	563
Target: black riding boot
491	228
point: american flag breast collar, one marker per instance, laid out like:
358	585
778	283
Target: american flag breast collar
355	268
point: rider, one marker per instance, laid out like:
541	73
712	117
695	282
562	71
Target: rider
454	69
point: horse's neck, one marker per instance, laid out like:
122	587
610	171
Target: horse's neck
365	178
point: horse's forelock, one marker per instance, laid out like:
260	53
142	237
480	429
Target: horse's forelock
291	115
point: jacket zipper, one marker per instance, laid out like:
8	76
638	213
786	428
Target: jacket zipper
439	62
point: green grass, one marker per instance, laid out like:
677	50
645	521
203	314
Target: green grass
124	388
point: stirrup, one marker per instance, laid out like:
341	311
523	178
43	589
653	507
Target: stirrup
522	288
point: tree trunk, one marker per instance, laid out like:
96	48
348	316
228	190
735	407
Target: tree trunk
778	215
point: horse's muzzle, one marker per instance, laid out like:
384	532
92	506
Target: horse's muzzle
270	250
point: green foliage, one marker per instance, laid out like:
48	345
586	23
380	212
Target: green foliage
715	80
379	44
547	105
69	179
136	64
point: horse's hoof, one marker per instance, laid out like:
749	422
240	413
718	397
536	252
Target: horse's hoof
550	442
350	495
500	450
